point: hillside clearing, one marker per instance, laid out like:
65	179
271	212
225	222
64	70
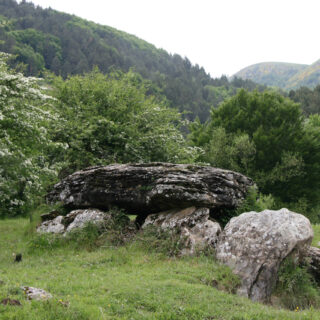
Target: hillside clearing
119	283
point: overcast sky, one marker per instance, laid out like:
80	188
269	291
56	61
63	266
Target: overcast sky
223	36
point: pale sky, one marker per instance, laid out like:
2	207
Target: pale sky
223	36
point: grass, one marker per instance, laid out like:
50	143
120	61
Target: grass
120	283
316	238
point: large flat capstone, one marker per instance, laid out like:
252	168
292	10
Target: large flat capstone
151	188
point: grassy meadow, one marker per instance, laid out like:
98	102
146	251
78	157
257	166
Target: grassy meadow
126	282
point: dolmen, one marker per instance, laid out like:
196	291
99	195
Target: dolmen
188	198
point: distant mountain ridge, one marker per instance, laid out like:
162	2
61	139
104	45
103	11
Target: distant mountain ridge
282	74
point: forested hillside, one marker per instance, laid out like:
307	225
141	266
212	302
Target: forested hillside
308	98
284	75
45	39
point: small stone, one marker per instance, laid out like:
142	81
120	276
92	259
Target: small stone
52	226
11	302
36	293
18	257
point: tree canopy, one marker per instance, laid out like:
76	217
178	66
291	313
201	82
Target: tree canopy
265	136
109	118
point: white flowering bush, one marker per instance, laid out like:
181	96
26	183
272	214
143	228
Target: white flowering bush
25	116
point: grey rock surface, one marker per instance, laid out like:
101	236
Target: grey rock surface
151	188
52	226
36	294
254	245
75	219
81	217
193	223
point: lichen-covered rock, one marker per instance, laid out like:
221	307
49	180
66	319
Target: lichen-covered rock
52	226
36	294
254	245
81	217
193	223
150	188
75	219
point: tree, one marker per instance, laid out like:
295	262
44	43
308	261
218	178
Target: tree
265	136
109	118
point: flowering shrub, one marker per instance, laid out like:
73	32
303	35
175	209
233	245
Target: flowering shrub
25	114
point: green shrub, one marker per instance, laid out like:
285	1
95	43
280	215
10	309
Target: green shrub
164	242
254	201
295	286
85	237
221	278
44	242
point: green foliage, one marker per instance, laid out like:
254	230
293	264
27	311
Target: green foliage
45	242
164	242
85	238
82	238
271	121
230	151
308	98
36	50
295	286
254	201
265	136
109	118
316	238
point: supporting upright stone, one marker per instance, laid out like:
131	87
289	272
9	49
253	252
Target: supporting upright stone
254	245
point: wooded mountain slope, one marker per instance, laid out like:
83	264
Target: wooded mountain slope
284	75
66	45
